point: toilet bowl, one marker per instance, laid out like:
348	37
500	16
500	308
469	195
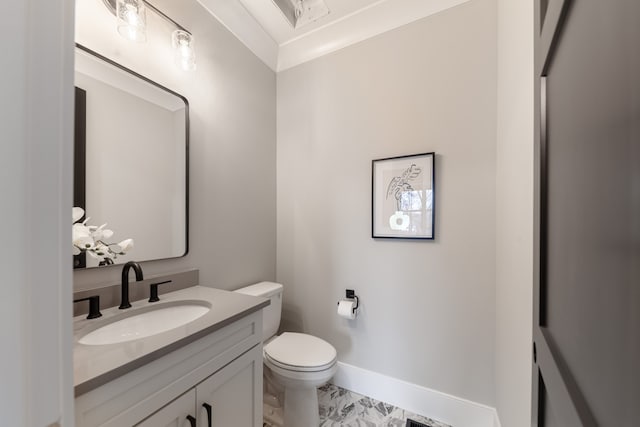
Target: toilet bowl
300	363
295	364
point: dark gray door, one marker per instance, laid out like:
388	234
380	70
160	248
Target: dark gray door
586	369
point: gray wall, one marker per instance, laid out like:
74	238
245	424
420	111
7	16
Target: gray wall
434	313
232	98
514	240
428	307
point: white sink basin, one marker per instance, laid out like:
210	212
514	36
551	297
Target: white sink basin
145	324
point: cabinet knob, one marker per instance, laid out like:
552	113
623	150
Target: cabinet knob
192	421
209	411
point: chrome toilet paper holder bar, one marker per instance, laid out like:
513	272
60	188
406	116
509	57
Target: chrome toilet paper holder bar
351	294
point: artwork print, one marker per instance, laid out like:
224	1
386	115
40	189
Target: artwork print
403	197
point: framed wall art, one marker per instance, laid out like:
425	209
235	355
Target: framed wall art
403	197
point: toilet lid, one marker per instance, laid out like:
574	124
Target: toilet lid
300	352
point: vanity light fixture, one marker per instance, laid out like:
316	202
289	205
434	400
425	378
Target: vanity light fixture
299	9
302	12
132	20
132	25
185	55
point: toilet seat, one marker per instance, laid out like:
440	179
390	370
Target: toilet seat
294	368
300	353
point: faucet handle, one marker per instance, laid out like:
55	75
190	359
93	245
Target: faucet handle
94	306
153	290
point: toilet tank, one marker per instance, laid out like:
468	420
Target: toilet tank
271	313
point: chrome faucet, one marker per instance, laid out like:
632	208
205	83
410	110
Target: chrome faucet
124	300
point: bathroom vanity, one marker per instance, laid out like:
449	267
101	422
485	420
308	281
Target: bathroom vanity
206	372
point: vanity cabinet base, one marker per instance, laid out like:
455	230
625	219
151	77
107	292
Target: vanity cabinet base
234	393
223	368
179	413
230	397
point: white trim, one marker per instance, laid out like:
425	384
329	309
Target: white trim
434	404
36	160
368	22
235	18
496	419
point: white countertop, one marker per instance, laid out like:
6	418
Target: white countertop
95	365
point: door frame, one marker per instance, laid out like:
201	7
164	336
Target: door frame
36	163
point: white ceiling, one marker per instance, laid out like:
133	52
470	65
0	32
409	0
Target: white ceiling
270	17
263	28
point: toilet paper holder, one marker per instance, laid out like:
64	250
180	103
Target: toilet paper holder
351	294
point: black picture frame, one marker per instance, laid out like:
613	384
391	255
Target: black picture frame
403	197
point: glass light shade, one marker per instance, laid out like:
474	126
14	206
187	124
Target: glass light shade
184	50
299	9
132	19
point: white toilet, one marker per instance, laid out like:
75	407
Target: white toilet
293	362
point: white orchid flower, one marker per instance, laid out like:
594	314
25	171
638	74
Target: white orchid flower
84	243
81	237
95	255
77	213
126	245
79	229
98	232
102	251
91	239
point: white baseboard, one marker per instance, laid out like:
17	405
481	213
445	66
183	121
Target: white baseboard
496	419
440	406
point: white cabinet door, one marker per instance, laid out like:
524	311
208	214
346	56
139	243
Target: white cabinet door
179	413
233	396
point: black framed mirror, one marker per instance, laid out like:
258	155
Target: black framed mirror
131	159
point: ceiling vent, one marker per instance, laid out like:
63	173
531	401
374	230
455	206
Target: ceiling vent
302	12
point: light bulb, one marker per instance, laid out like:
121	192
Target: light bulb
299	9
184	50
132	19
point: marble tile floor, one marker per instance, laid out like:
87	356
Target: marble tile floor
343	408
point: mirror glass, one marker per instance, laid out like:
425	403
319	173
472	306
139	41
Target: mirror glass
131	162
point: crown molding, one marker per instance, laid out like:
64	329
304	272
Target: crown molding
378	18
235	18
